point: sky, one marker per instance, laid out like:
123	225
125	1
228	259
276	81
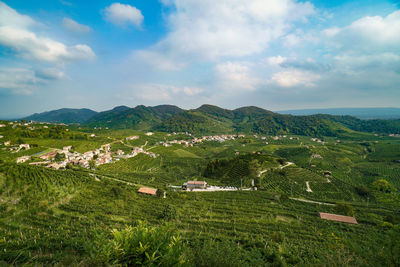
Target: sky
275	54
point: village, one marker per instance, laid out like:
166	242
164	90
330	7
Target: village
60	158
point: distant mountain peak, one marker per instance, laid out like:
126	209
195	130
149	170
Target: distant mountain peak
120	108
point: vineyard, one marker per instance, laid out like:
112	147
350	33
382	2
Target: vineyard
55	217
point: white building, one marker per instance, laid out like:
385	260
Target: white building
23	159
132	137
26	146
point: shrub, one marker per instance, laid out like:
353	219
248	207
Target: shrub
168	213
345	209
59	157
363	191
382	185
141	245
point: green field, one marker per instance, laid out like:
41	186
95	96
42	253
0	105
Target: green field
55	217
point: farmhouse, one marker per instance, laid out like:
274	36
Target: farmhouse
194	185
67	148
132	137
24	146
338	218
50	155
23	159
147	191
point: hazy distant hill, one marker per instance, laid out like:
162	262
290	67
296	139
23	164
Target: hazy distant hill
362	113
64	115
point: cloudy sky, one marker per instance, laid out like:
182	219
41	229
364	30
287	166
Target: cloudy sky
276	54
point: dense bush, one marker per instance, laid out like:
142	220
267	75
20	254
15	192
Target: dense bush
345	209
363	191
383	186
141	245
168	213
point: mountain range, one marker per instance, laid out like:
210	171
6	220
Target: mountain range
209	119
361	113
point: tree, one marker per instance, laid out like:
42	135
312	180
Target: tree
254	168
382	185
345	209
59	157
92	164
363	191
168	213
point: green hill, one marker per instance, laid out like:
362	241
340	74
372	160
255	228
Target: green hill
209	119
140	117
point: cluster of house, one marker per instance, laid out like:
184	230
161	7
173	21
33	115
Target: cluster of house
135	152
97	156
314	139
132	137
394	135
195	140
189	185
280	137
16	148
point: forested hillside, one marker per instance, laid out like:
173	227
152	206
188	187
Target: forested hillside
209	119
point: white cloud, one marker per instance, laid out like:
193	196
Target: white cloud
18	80
210	30
276	60
9	16
368	34
330	32
162	92
15	33
294	77
49	74
366	47
162	61
191	91
123	15
74	26
235	76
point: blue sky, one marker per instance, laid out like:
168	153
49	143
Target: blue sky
276	54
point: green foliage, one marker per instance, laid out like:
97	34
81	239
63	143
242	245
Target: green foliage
345	209
168	213
49	217
236	171
59	157
142	245
64	115
382	185
363	191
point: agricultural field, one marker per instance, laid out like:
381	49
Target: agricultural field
65	217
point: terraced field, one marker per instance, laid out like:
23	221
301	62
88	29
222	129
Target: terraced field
51	217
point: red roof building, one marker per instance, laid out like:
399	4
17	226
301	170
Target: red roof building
338	218
148	191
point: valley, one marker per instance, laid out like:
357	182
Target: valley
264	195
